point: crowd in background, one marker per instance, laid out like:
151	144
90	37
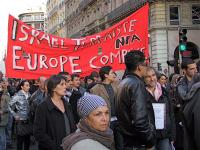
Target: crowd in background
99	111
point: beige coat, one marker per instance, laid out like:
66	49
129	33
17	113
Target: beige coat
100	90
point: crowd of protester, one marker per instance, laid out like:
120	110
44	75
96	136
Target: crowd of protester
145	110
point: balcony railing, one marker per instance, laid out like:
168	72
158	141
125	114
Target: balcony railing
32	18
53	11
85	3
92	25
61	4
41	18
82	6
127	7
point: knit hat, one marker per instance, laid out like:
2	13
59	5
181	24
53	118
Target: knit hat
88	103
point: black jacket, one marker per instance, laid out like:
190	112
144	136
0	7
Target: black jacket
75	96
191	119
49	125
170	127
36	98
135	112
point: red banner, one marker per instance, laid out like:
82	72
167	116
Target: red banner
31	53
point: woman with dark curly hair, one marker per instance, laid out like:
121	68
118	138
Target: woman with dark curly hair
54	119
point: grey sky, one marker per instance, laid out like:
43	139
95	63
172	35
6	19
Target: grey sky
14	7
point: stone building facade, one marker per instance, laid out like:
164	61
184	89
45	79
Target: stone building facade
77	18
55	17
165	19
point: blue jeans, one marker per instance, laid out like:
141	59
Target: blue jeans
163	144
9	129
2	138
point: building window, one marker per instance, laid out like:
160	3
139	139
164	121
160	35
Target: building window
196	14
28	18
174	15
38	17
37	26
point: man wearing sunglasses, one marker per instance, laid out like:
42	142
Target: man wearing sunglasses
133	107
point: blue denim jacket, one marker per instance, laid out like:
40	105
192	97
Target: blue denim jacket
19	105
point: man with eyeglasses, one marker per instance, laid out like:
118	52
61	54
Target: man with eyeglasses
133	107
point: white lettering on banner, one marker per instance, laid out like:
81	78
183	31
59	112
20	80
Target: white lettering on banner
44	62
124	52
63	44
34	34
23	27
51	60
95	40
105	59
73	65
54	42
132	24
111	58
91	63
112	55
46	37
15	58
62	62
43	59
78	43
124	26
14	29
33	62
